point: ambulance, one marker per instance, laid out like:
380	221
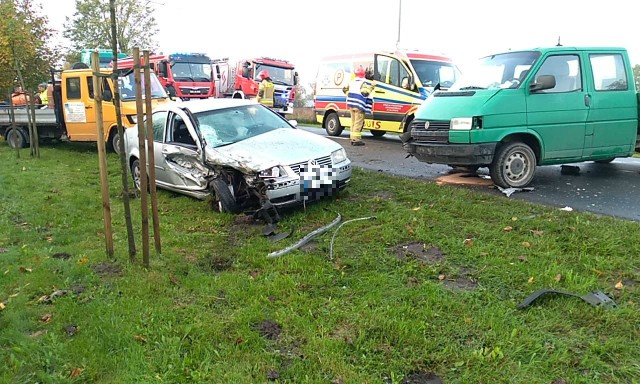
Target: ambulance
402	80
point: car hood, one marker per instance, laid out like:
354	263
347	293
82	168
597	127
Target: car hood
450	104
284	146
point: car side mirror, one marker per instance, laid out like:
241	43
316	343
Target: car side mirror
543	82
294	123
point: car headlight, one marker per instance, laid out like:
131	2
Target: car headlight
338	156
461	123
271	173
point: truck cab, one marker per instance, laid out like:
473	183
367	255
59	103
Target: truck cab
520	109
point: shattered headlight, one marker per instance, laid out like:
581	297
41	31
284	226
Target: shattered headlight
272	173
338	156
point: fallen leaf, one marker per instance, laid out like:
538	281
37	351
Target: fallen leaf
514	218
558	278
468	242
416	209
140	338
174	280
598	272
75	373
522	258
441	277
508	228
25	270
530	280
46	318
14	295
619	285
83	260
2	306
484	254
537	232
467	320
239	340
410	230
526	244
24	169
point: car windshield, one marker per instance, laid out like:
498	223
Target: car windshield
431	73
231	125
282	76
198	72
128	87
506	70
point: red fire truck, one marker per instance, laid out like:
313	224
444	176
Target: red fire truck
184	75
241	80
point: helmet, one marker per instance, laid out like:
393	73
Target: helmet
263	74
359	72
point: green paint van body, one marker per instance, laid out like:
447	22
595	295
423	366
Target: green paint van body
522	109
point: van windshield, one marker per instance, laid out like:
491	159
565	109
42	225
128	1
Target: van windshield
502	71
128	87
431	73
279	75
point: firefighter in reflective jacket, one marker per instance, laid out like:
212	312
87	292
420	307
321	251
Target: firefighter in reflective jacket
266	89
359	102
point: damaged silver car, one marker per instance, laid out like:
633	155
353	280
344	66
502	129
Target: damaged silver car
241	154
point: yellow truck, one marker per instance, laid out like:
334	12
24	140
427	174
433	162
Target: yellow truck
402	80
71	113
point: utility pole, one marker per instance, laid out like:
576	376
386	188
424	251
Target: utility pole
399	19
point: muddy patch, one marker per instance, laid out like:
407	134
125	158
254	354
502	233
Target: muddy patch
242	228
463	281
422	378
107	270
219	263
471	179
384	195
419	251
61	255
310	246
268	329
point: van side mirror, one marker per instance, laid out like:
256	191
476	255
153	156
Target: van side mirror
245	72
162	68
295	78
543	82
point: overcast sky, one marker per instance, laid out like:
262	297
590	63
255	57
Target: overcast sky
303	31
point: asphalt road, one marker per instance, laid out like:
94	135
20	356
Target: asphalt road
608	189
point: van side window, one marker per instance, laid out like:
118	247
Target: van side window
105	86
608	72
158	121
397	73
73	88
382	63
565	69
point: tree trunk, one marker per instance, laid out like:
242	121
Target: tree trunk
13	124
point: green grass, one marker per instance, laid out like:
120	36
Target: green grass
214	309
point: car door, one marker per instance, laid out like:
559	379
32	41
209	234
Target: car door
159	124
611	123
79	110
180	155
392	96
559	114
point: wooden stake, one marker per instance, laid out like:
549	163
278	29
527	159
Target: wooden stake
144	205
151	152
102	154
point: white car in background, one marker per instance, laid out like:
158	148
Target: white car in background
240	153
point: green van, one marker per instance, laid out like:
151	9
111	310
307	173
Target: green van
521	109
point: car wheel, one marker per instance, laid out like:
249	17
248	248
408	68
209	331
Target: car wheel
332	125
223	200
114	141
16	138
604	161
378	133
514	165
136	174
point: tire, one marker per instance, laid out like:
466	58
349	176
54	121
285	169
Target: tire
332	125
513	166
16	138
378	133
114	141
604	161
223	200
135	174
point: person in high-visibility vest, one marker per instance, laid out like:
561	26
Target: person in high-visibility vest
266	89
358	93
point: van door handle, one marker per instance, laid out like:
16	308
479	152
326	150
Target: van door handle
88	107
379	91
587	100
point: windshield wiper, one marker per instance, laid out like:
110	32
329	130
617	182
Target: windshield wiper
471	87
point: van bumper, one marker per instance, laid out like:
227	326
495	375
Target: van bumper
458	154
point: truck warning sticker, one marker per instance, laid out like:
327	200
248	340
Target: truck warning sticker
75	113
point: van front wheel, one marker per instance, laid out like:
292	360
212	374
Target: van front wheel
114	143
332	125
514	165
